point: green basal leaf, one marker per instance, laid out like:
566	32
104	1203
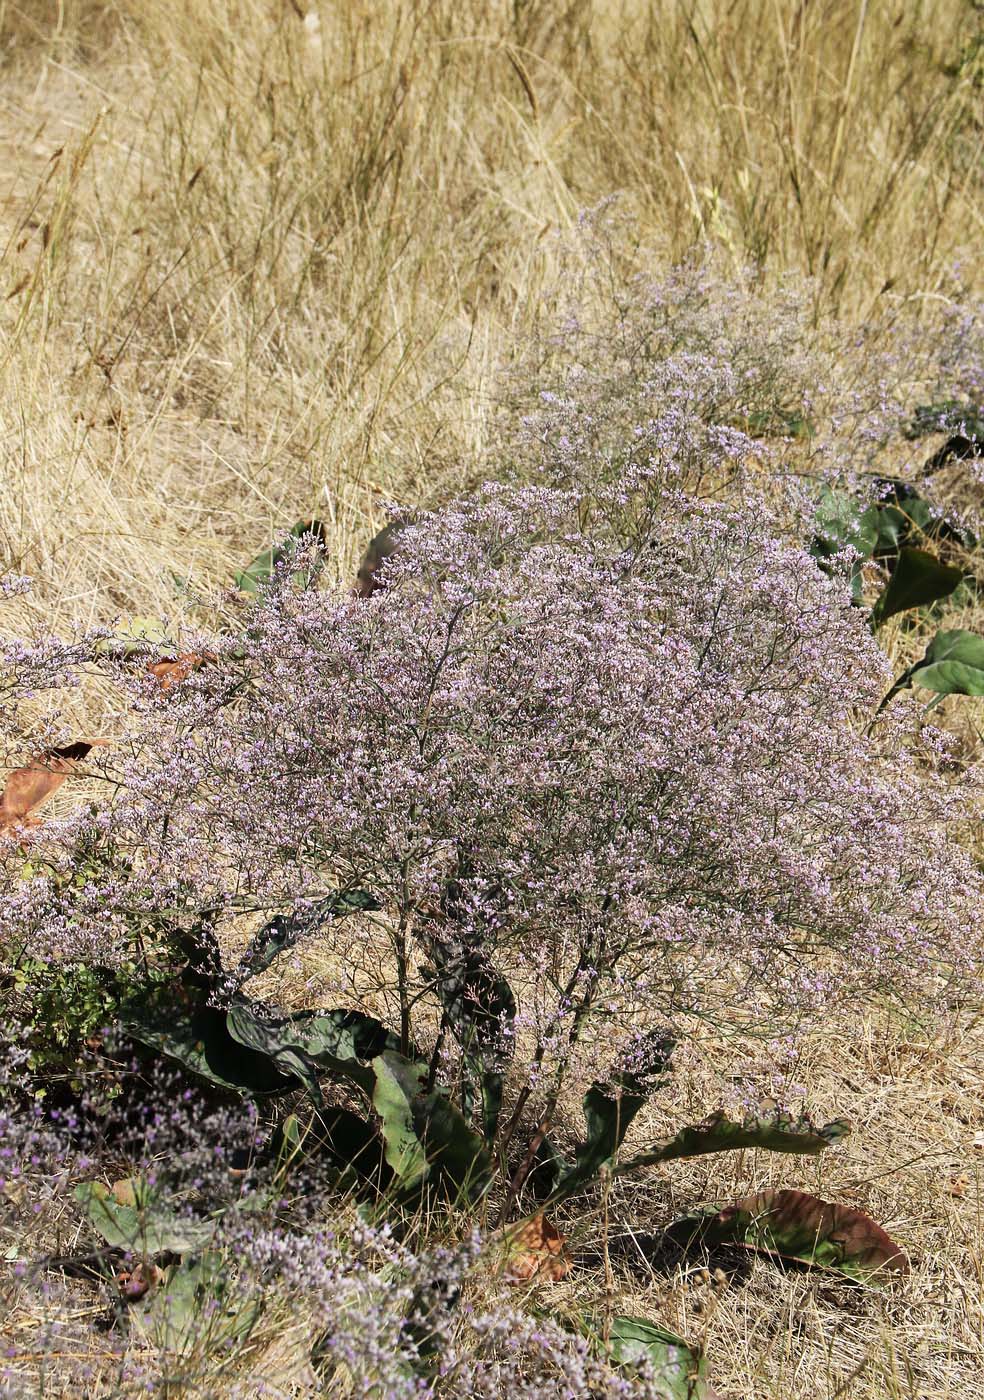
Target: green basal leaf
608	1113
267	1038
379	549
773	1131
195	1308
137	634
918	578
260	571
840	521
953	664
779	422
948	416
425	1136
801	1227
329	1037
348	1142
148	1227
398	1082
480	1010
677	1369
200	1041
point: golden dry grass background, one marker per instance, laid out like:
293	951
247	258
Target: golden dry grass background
265	259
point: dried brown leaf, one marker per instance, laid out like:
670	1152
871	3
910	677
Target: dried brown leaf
27	788
176	668
535	1249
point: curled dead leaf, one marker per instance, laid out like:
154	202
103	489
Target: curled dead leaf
27	788
136	1282
535	1249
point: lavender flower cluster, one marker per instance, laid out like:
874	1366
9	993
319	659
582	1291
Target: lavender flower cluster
647	765
608	726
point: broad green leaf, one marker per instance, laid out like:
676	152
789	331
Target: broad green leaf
264	1037
425	1136
779	422
774	1131
905	516
200	1041
918	578
948	416
677	1369
196	1309
797	1225
282	932
148	1227
840	521
953	664
608	1113
330	1036
379	549
260	571
397	1083
347	1141
137	634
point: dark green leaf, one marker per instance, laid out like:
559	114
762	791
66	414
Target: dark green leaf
425	1136
905	516
948	416
397	1083
338	1035
797	1225
347	1140
840	522
260	571
779	422
380	548
194	1308
480	1009
773	1131
608	1113
274	1039
953	664
283	931
918	578
200	1041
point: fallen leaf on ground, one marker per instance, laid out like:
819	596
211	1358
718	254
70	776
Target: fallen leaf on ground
799	1226
27	788
176	668
535	1248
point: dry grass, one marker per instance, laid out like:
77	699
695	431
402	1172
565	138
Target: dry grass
255	266
264	259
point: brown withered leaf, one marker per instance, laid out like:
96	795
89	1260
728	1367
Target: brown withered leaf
27	788
799	1226
379	549
136	1282
177	668
535	1249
